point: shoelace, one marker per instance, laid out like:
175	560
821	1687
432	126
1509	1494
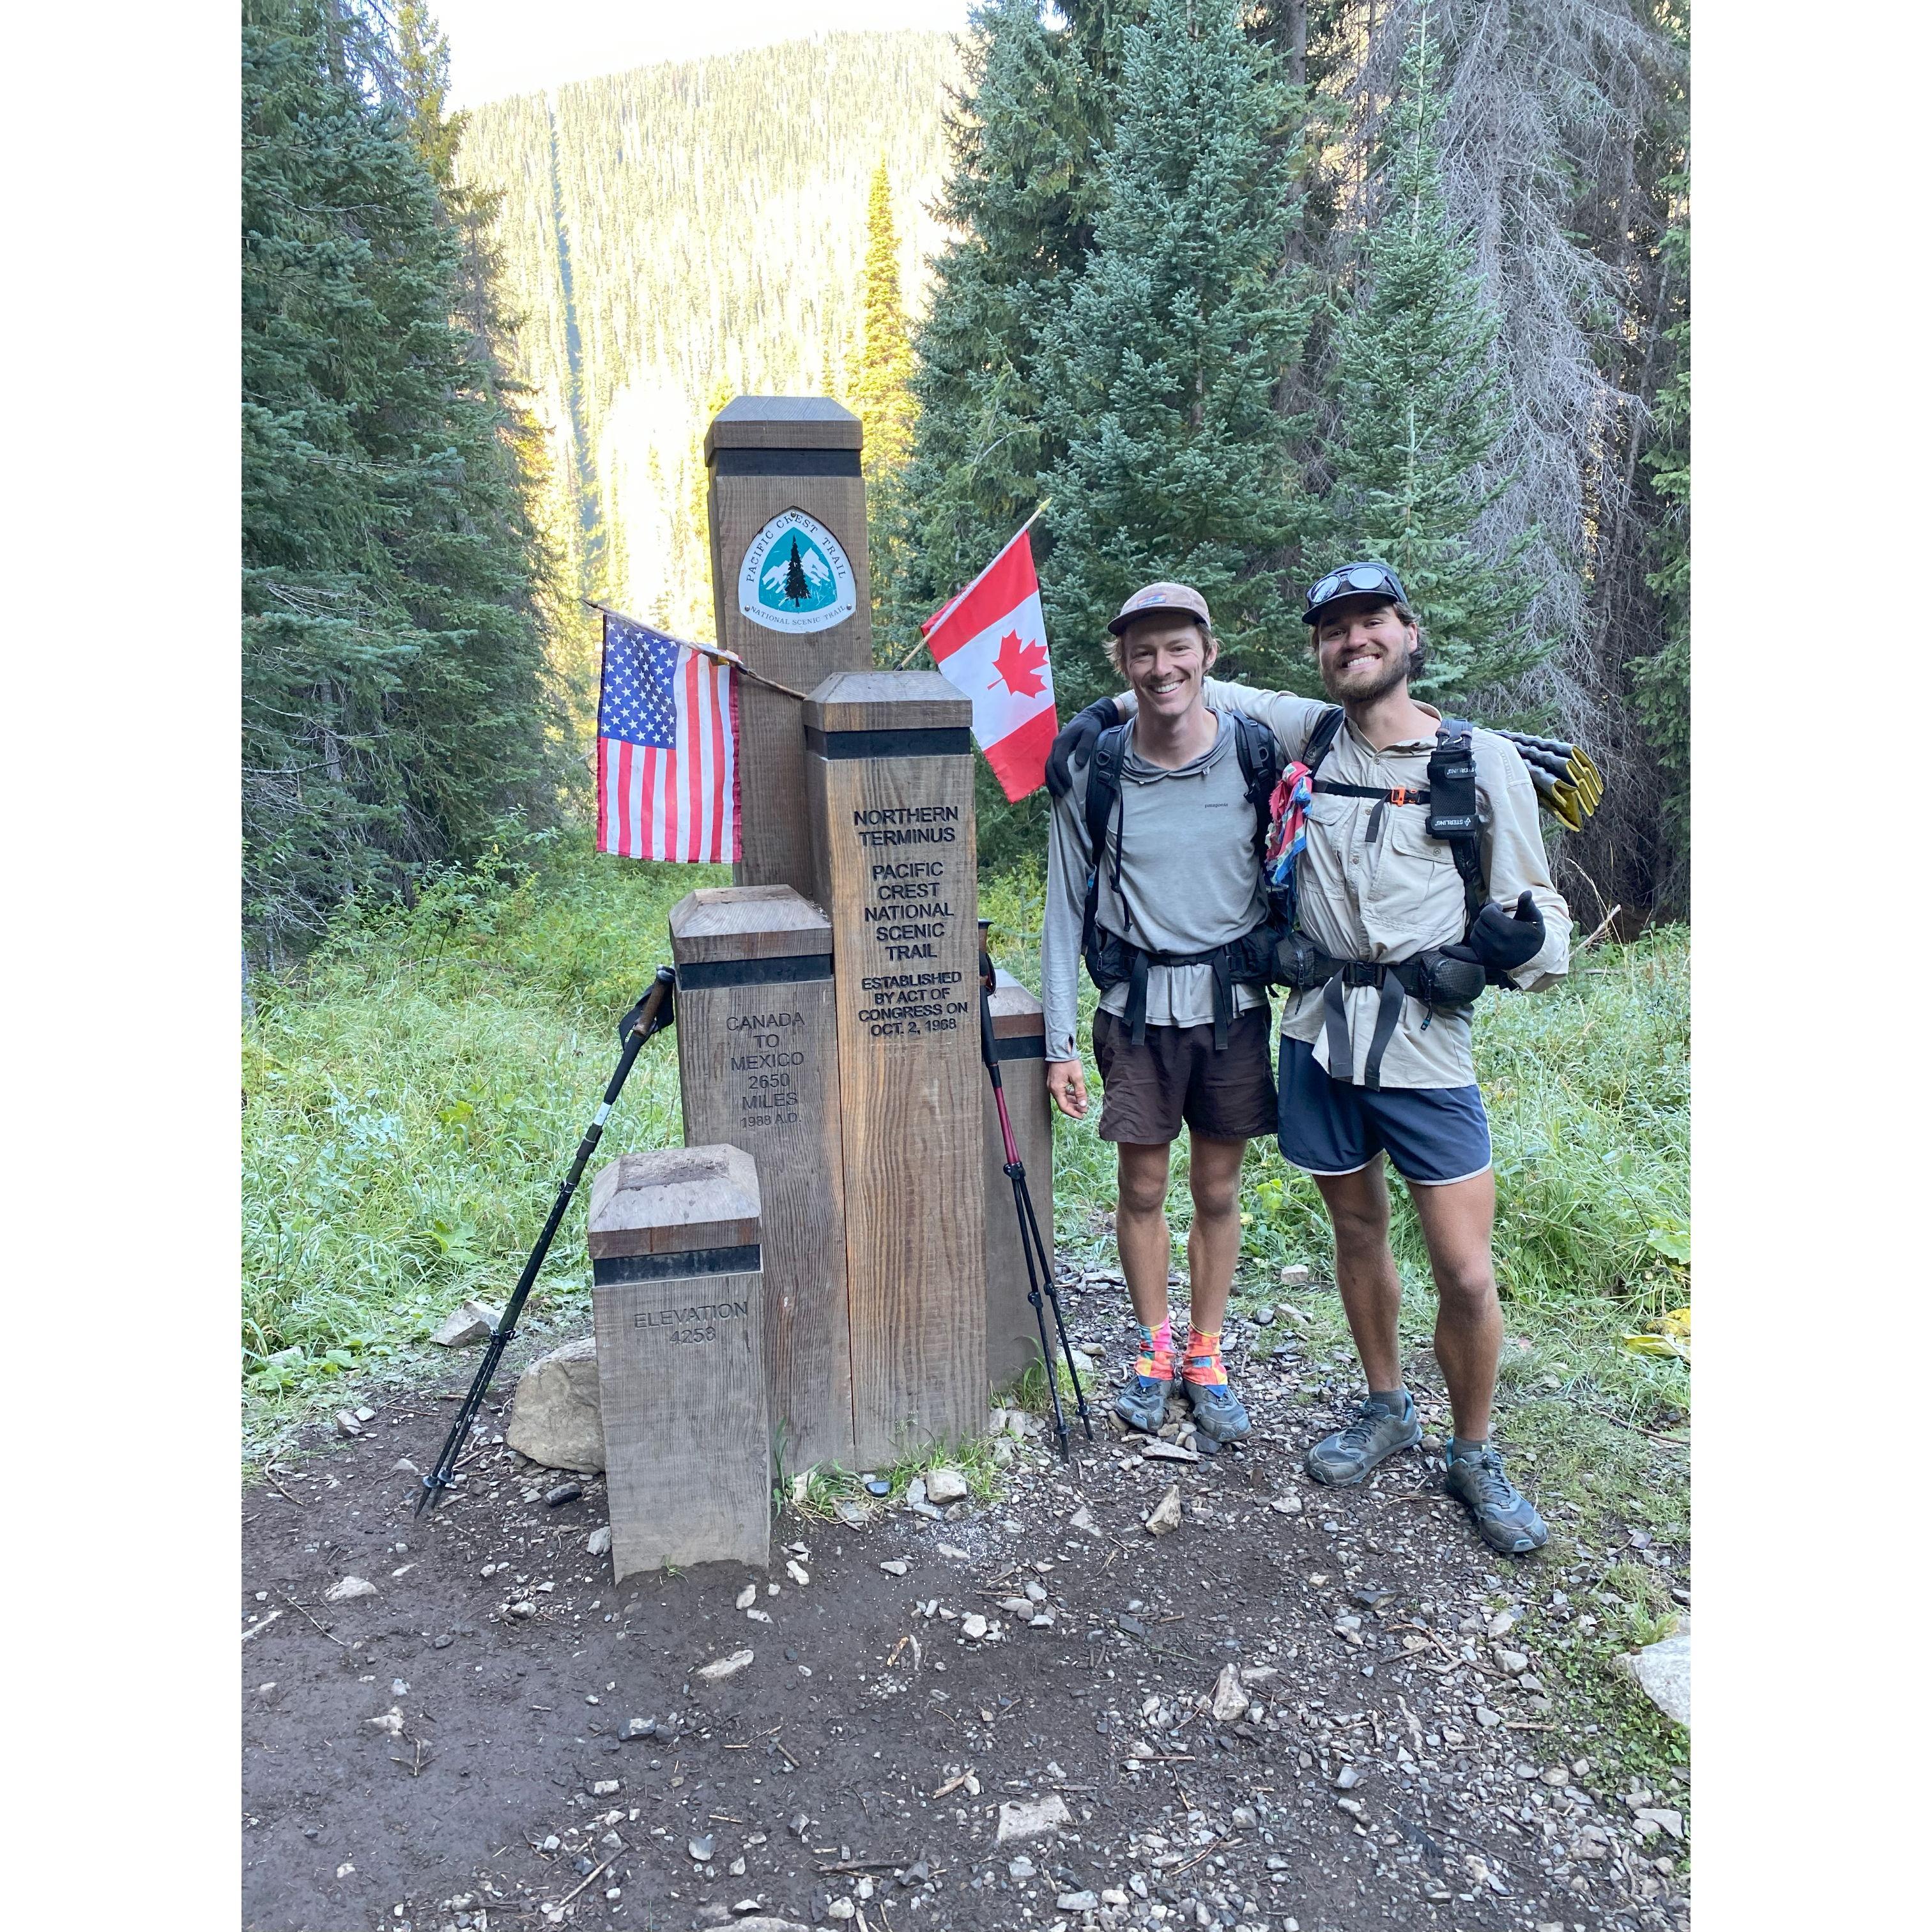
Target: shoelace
1495	1488
1355	1435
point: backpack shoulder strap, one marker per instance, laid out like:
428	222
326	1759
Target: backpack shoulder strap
1321	738
1261	766
1453	816
1103	792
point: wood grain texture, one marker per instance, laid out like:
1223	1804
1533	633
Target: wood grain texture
666	1200
776	846
913	700
759	1068
899	878
680	1376
1013	1329
782	422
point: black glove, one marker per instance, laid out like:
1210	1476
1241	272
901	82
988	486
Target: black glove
1502	940
1075	743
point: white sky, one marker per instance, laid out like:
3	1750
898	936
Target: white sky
498	47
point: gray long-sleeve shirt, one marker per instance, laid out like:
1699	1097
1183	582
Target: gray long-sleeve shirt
1189	881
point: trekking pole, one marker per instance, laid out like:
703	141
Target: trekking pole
1039	1268
651	1014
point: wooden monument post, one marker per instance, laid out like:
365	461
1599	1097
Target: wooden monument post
677	1296
1019	1040
889	781
758	1059
793	597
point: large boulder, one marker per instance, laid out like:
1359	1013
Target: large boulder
1663	1671
556	1420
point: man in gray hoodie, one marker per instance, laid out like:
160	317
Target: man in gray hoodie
1178	1039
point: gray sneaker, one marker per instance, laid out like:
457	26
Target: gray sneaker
1142	1403
1350	1453
1507	1518
1218	1411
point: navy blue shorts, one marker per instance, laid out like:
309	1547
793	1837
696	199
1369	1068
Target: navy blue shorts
1431	1135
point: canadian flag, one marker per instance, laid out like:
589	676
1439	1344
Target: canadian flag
990	643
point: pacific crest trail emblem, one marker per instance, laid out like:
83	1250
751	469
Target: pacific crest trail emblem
796	576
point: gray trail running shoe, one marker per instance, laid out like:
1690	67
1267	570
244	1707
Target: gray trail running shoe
1218	1411
1142	1403
1507	1518
1350	1453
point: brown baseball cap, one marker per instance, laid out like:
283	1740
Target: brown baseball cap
1163	597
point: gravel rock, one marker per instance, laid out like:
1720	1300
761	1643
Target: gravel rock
597	1543
474	1321
556	1421
1230	1699
972	1627
1511	1663
723	1667
896	1566
1027	1818
1022	1869
346	1424
564	1492
403	1466
1166	1514
746	1598
701	1849
1077	1901
349	1589
945	1485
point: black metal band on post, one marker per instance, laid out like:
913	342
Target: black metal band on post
789	969
613	1269
785	462
938	743
1020	1046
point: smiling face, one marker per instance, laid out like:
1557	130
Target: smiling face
1165	659
1362	648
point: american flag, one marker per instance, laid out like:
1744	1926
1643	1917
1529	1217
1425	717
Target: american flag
667	749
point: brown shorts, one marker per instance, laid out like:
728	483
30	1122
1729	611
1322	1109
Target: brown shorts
1178	1076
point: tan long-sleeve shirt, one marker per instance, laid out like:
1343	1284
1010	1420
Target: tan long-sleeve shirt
1372	885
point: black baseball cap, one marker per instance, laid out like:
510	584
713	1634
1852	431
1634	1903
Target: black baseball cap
1368	578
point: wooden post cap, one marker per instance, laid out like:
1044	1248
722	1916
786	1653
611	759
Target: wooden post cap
674	1200
782	422
1016	1013
887	700
719	924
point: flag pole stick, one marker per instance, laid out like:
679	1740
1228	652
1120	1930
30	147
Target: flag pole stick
716	653
905	662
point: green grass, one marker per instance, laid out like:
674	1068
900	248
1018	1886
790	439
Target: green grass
415	1090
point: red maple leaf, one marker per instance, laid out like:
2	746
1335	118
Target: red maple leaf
1018	665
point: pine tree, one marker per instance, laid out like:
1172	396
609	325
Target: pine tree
796	590
395	702
881	396
1021	191
1416	461
1164	365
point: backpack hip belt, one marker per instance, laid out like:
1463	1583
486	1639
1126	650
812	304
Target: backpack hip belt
1248	960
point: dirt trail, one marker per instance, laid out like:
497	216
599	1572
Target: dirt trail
1395	1763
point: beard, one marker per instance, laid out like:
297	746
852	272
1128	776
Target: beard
1392	673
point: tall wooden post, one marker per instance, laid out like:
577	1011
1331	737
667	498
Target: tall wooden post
1019	1040
757	1056
793	597
888	780
675	1294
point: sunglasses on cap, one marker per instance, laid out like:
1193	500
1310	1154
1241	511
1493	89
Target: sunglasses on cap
1353	578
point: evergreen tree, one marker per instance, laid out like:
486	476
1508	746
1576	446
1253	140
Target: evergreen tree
1661	683
1421	415
1021	191
394	700
1164	365
880	394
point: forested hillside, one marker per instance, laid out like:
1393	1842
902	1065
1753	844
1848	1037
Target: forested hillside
397	698
676	235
